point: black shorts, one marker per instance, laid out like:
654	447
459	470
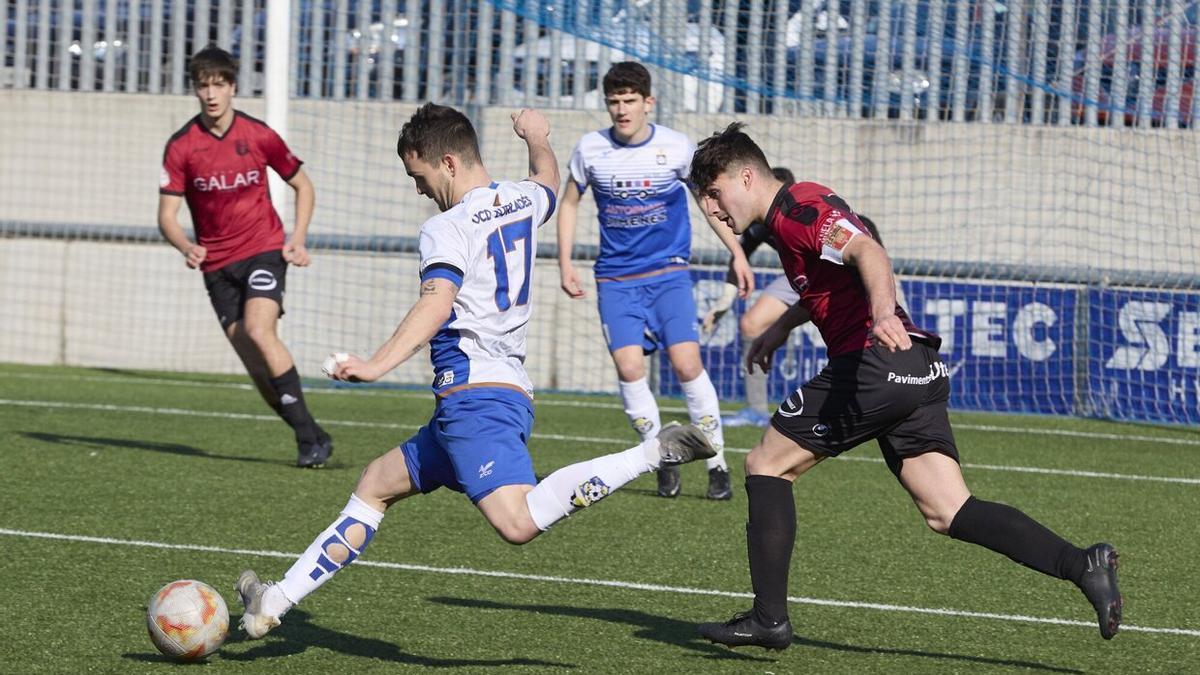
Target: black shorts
897	398
261	276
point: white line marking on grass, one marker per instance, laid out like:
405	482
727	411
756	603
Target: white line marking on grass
1078	434
598	405
1049	472
108	407
608	583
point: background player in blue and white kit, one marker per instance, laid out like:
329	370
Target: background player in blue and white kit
638	173
476	267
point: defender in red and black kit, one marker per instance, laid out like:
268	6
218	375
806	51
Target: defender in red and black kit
884	381
218	162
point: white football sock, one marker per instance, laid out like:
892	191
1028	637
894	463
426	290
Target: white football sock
705	412
578	485
274	602
333	549
641	408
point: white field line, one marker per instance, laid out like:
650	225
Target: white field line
107	407
627	585
597	405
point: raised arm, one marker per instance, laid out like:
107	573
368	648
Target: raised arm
428	314
172	231
533	127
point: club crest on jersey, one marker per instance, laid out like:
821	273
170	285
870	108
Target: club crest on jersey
838	238
636	187
242	147
661	158
590	492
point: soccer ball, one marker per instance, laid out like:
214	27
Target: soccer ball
187	620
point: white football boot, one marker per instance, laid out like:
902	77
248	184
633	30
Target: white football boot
254	621
682	443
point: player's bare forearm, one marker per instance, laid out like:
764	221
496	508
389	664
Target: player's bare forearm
533	127
306	200
543	166
727	237
172	231
738	263
875	269
796	315
168	222
428	314
763	348
568	212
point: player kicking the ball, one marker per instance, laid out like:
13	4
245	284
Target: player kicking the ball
474	304
884	381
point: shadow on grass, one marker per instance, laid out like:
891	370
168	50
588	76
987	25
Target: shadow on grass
682	496
298	634
631	491
940	656
683	634
169	448
166	376
650	627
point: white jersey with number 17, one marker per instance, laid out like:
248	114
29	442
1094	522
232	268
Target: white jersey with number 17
486	244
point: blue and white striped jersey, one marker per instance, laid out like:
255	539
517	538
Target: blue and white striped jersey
486	244
642	198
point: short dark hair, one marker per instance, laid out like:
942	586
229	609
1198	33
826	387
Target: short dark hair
784	174
437	130
627	76
717	153
212	61
870	225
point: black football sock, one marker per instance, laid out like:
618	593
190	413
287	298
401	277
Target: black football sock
770	536
292	408
1006	530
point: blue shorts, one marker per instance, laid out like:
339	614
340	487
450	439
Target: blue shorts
476	441
652	312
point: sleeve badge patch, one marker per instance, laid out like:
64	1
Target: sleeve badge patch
838	236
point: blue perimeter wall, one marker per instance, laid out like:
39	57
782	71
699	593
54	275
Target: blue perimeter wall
1057	349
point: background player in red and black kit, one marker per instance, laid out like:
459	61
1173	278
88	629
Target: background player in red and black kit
884	381
218	162
775	298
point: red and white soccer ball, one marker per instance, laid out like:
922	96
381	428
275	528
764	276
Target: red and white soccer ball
187	620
